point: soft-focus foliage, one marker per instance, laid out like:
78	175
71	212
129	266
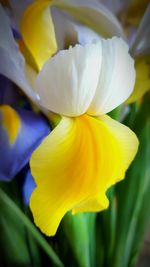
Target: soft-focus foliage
64	65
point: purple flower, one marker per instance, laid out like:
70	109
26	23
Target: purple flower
21	131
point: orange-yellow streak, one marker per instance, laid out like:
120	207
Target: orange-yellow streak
11	122
38	31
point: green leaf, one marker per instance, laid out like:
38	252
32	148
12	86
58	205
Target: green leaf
76	231
34	248
107	223
100	242
14	248
11	206
143	208
132	196
91	227
116	113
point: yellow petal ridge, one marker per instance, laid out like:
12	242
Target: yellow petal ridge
11	122
27	55
38	31
75	165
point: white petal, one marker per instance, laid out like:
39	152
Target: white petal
68	81
117	77
64	29
92	14
12	62
69	32
17	8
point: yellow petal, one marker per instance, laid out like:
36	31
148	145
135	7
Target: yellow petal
142	84
11	122
38	31
75	165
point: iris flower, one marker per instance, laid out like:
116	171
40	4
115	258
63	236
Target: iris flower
21	131
87	152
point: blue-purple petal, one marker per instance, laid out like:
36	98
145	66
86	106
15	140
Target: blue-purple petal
8	93
14	157
28	186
